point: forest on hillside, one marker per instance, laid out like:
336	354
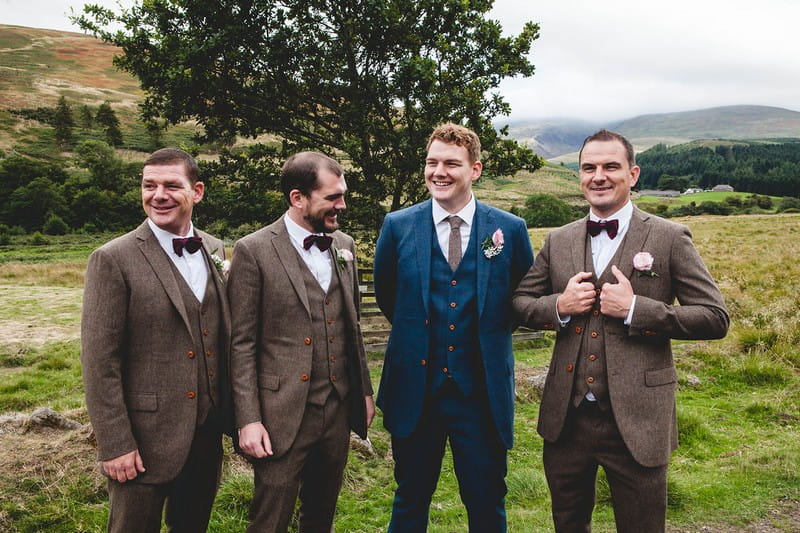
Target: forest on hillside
756	167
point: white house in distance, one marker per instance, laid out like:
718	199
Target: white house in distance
722	188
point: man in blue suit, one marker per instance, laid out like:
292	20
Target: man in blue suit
445	270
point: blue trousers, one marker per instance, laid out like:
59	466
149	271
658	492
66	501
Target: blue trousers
479	459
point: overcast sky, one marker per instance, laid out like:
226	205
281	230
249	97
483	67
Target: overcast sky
605	60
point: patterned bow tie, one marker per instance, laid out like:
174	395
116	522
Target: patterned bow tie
323	242
611	227
191	244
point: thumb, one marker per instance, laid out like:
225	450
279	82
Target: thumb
618	274
138	462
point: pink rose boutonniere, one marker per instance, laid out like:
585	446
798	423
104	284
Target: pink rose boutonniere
343	257
643	264
492	245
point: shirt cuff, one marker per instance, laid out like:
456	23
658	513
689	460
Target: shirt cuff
629	318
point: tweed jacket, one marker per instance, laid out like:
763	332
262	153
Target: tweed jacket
640	367
135	341
271	348
402	290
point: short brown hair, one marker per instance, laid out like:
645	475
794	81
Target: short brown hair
605	135
301	170
170	156
460	136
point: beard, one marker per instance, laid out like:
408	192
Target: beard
318	224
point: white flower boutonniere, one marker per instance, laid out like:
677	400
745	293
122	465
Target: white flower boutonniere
643	264
492	245
343	257
222	265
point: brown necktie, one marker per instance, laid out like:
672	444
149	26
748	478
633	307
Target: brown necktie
454	245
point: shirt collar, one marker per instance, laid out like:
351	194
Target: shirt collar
296	232
165	237
466	214
624	214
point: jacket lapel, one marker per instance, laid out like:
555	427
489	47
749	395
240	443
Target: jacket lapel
423	228
288	257
634	241
484	224
162	269
219	285
578	246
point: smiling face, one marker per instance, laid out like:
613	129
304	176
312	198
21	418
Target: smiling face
168	196
606	176
318	212
449	175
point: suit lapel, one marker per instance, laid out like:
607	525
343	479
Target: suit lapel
218	284
290	260
578	247
423	228
345	282
162	269
634	241
483	225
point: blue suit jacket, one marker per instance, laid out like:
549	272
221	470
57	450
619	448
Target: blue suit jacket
402	288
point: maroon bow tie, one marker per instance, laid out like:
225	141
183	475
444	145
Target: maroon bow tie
611	227
323	242
191	244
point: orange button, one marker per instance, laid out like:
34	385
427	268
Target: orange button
570	366
592	357
452	304
333	358
191	395
330	321
590	379
452	327
333	377
594	334
208	353
190	355
595	312
548	326
211	373
423	362
307	340
597	292
451	348
205	332
330	339
444	370
327	301
578	329
453	283
303	377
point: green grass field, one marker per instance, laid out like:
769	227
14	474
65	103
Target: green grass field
738	409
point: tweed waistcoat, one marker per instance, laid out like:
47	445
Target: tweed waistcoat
454	348
205	321
329	338
591	370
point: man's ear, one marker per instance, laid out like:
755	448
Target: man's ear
296	198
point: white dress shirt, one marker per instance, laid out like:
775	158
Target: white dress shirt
192	267
318	262
467	215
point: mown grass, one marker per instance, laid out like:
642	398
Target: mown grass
738	415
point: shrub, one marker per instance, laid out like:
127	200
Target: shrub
545	211
37	239
55	225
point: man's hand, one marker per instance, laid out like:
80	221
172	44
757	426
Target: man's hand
125	467
578	296
616	298
370	409
254	440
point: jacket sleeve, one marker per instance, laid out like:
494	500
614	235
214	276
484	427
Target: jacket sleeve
385	270
533	302
362	356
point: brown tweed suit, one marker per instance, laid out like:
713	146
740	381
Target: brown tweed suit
139	370
272	347
641	375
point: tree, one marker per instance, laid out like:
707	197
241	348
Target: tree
108	119
546	211
63	122
675	183
87	119
364	81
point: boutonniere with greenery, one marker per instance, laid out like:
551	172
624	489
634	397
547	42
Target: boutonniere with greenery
643	264
492	245
222	265
343	257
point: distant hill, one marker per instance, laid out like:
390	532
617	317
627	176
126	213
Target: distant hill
560	139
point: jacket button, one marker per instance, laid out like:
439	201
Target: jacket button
333	377
327	301
570	367
190	355
453	305
649	332
453	283
423	362
444	370
595	312
590	379
549	326
451	348
597	292
209	353
191	395
211	373
578	329
594	334
427	322
303	377
329	321
452	327
205	332
307	340
330	339
333	359
592	357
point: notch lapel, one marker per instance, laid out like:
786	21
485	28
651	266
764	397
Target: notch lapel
484	224
424	230
579	246
290	260
634	241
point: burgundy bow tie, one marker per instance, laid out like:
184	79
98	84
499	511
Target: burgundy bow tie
611	227
323	242
191	244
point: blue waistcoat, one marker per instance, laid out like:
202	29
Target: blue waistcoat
454	349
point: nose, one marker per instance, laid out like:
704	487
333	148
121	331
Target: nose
160	192
340	204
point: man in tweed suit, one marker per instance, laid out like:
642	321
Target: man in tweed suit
154	334
607	284
300	378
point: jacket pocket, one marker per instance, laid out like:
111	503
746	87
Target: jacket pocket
663	376
142	401
269	381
